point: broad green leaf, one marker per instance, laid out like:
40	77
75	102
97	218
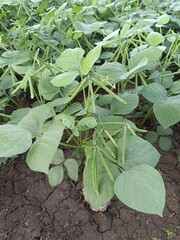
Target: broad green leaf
125	29
154	92
163	19
87	28
14	140
165	143
175	89
155	38
59	102
70	59
105	99
90	59
167	112
55	175
18	115
72	168
132	101
6	82
141	188
152	136
110	126
14	58
73	108
139	67
153	54
112	71
58	157
46	89
67	121
36	117
86	123
64	79
105	185
137	151
41	154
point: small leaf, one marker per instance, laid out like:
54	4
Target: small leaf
155	38
14	140
165	143
58	157
141	188
72	168
86	123
90	59
64	79
164	131
151	137
55	175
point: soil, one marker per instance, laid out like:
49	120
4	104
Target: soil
31	210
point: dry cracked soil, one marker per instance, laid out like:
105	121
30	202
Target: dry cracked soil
32	210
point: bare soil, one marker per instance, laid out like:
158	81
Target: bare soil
31	210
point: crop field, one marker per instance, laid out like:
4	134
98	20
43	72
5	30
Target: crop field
90	120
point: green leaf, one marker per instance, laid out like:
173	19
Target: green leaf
90	59
14	58
164	132
167	112
36	117
72	168
67	121
162	20
64	79
112	71
43	150
58	157
13	140
154	92
165	143
70	59
153	54
86	123
152	136
155	38
138	151
73	108
18	115
46	89
87	28
55	175
175	89
132	101
112	129
138	67
141	188
105	185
